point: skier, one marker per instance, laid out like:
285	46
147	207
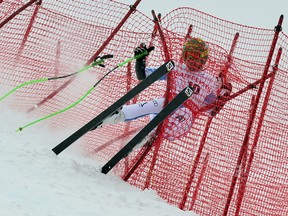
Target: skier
207	89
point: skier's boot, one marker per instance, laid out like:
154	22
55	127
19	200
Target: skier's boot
117	116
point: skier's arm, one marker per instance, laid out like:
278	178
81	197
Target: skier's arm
224	91
140	64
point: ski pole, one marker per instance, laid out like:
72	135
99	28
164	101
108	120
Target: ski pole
145	53
93	64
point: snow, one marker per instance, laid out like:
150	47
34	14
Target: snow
34	181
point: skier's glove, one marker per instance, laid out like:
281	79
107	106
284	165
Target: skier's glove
139	50
224	91
141	62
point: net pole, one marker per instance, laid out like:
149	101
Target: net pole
159	137
17	12
128	172
242	187
26	35
278	28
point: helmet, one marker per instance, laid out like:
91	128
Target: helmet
195	53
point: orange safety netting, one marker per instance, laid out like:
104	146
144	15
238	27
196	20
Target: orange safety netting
234	163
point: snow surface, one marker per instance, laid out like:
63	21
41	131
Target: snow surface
34	181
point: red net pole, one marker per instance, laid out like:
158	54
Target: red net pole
245	156
195	165
127	126
18	11
129	172
159	137
229	58
56	73
162	37
157	28
132	9
28	30
236	94
242	187
57	62
194	197
278	28
138	162
189	32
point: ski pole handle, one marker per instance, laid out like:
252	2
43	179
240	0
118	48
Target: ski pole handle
150	49
101	61
106	56
145	53
97	62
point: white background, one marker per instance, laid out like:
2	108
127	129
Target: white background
256	13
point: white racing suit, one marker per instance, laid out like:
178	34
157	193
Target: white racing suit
205	87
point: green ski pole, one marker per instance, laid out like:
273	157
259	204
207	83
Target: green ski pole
95	63
145	53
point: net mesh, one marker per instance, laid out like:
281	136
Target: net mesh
195	169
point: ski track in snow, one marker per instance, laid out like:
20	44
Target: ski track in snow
34	181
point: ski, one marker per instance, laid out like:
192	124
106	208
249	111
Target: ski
167	110
157	74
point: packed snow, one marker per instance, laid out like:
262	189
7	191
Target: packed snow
34	181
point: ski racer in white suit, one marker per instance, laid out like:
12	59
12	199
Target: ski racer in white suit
207	88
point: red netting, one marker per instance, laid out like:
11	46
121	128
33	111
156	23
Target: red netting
195	172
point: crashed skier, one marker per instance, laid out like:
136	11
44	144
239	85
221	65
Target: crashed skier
207	89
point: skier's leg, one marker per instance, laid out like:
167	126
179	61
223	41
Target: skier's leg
133	111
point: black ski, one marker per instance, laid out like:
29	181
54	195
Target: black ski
161	71
169	109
